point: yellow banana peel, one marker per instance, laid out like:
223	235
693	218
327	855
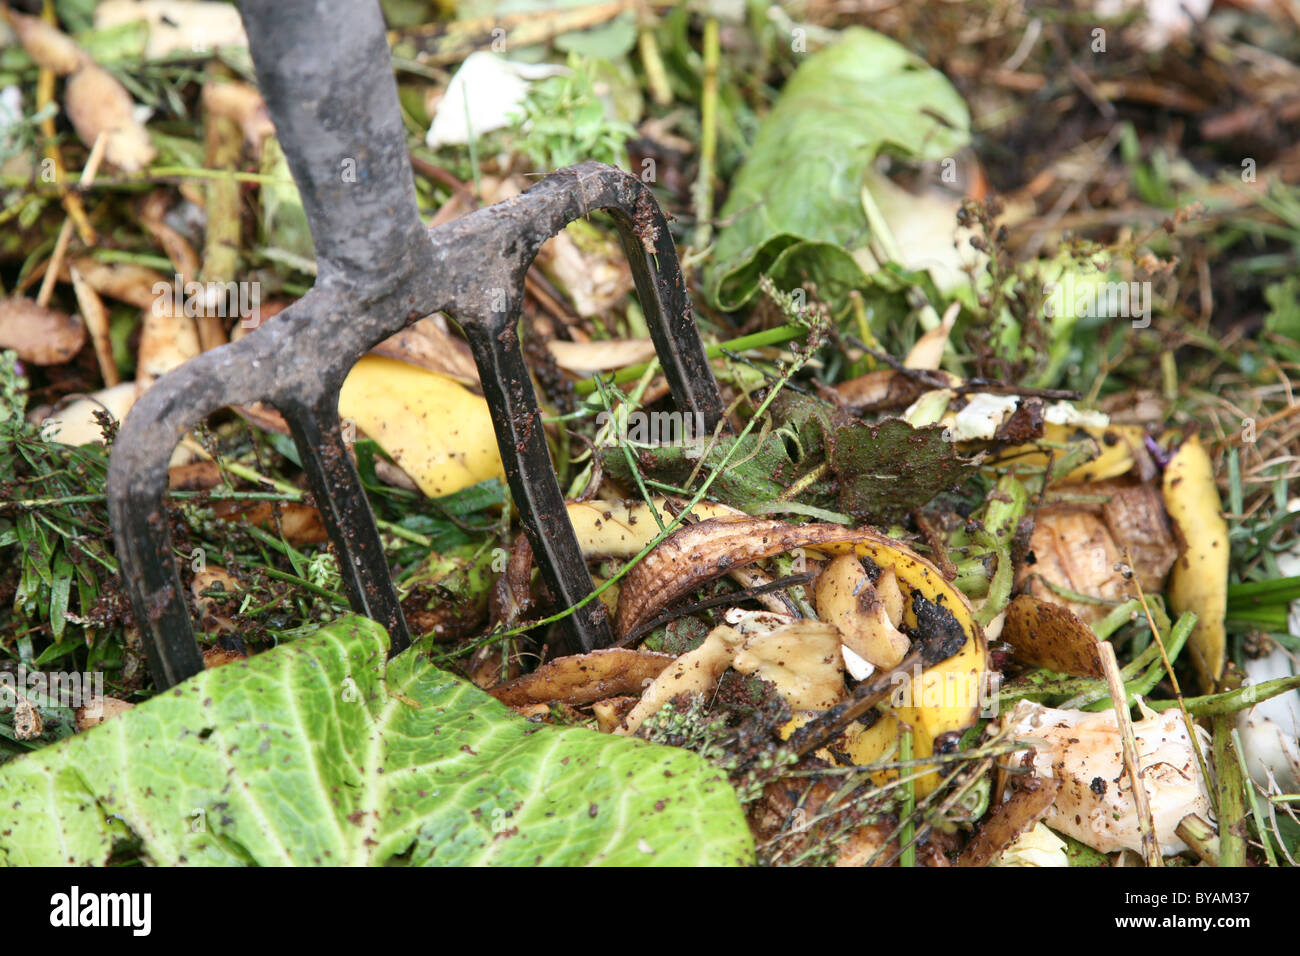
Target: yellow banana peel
436	430
620	529
938	702
1113	456
941	701
1199	579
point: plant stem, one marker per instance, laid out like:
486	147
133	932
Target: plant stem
1230	702
708	139
777	336
759	414
655	75
1232	805
1247	786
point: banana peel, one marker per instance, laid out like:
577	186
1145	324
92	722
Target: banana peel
938	701
1199	579
942	700
436	430
620	529
1113	455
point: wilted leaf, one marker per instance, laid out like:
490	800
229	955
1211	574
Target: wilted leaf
1048	635
1007	821
185	26
890	468
584	678
757	472
795	206
38	334
97	103
319	753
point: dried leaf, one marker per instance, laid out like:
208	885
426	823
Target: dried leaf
177	26
1008	820
586	358
584	678
124	281
243	104
50	47
430	345
97	103
168	339
1048	635
1072	549
97	710
38	334
299	523
96	318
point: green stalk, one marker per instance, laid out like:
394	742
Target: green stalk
908	856
708	139
1144	684
777	336
1278	589
677	522
1230	702
1248	788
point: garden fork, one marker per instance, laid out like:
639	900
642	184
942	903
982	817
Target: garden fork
325	72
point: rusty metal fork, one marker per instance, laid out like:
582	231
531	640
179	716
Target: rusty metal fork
324	69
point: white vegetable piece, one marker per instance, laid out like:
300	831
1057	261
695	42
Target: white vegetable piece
1095	805
1270	730
483	96
1037	846
1064	413
859	668
983	416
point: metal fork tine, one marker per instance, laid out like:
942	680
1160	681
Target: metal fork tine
325	73
343	508
536	492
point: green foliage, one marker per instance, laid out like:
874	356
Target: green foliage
1283	320
323	752
786	447
890	468
795	207
563	121
61	544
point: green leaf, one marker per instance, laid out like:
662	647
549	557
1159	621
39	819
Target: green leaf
318	753
888	469
59	591
284	221
795	207
764	466
1283	319
608	41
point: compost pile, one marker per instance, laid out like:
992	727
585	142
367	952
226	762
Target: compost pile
1004	310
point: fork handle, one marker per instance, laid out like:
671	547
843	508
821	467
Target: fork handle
325	72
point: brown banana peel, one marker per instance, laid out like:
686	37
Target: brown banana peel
938	702
1198	580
